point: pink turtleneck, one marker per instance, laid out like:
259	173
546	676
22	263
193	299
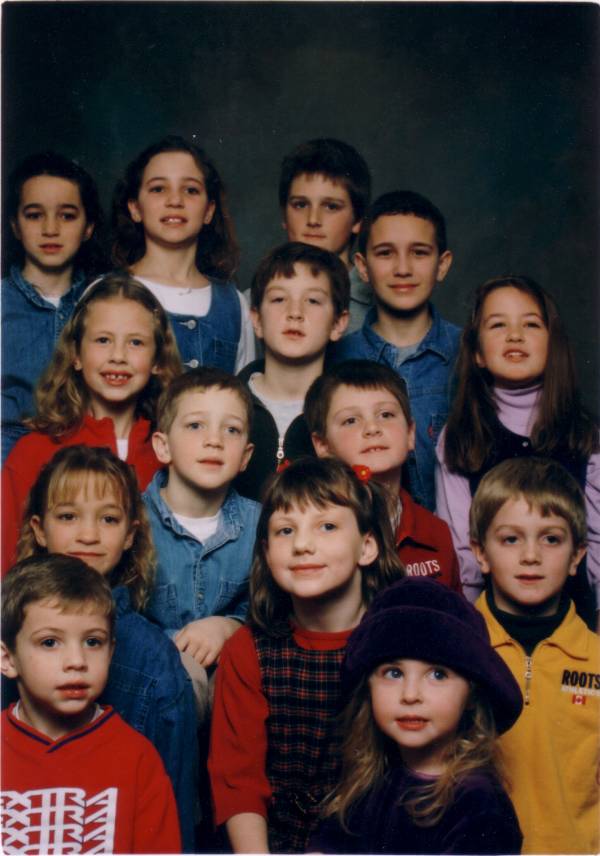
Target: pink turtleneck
517	410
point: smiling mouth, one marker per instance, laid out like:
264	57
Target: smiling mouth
211	462
294	334
516	355
374	449
529	578
411	723
173	221
85	555
116	378
306	568
51	248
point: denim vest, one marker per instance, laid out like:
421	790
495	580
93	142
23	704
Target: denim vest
428	376
195	580
30	328
212	339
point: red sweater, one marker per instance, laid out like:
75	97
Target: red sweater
238	745
425	544
32	451
102	788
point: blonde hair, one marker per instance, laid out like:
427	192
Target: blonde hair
61	396
320	482
544	484
367	754
72	468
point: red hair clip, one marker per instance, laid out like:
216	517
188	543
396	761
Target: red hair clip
362	472
283	465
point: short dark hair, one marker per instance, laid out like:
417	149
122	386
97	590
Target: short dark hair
199	379
403	202
360	374
64	579
335	160
281	261
90	256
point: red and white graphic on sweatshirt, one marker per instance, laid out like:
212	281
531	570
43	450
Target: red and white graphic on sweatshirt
58	820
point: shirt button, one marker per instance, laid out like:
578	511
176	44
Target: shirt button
193	364
525	443
191	324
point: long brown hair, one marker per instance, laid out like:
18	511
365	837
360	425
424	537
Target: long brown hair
320	482
72	468
562	421
61	396
367	755
217	251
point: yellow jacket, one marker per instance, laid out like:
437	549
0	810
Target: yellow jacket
551	753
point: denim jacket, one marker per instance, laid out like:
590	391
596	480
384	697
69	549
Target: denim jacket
30	328
212	339
428	375
149	687
195	580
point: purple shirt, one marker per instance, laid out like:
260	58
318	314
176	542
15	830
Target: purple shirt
517	411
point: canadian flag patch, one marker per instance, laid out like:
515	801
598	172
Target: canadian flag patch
578	698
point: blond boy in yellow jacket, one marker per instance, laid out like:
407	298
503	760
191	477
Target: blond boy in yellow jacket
528	531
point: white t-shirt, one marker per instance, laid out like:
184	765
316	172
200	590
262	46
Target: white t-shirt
200	527
283	412
196	301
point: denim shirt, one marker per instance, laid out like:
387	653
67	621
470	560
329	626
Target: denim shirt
195	580
428	375
31	326
149	687
212	339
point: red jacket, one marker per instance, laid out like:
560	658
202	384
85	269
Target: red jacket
32	451
425	544
101	788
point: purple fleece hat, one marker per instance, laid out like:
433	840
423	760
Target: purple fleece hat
419	619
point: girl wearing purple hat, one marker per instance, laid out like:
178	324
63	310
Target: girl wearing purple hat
426	697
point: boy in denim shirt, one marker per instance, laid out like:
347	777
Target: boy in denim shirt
403	254
203	530
324	190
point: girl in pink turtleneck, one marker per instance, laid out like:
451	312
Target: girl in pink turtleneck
516	395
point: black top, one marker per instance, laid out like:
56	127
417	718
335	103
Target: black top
480	820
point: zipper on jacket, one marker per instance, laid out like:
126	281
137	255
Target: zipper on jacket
280	451
528	674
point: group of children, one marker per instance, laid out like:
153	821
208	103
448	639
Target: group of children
284	549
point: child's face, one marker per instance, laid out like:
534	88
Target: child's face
117	353
207	444
61	662
296	318
314	552
529	558
367	426
89	524
402	262
51	222
513	338
172	202
418	705
319	211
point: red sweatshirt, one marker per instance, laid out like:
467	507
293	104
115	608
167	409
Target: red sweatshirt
425	544
32	451
100	789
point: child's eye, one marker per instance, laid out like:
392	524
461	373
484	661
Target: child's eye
112	519
66	515
94	642
156	188
192	191
232	429
439	674
298	204
276	300
101	340
333	206
388	414
382	253
284	530
392	673
194	426
32	215
535	324
509	539
328	527
316	301
49	642
137	343
350	420
495	324
421	252
553	539
69	216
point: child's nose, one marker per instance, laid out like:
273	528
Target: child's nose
174	197
314	217
410	690
50	225
514	333
74	657
88	531
530	553
370	427
295	309
303	541
117	353
213	437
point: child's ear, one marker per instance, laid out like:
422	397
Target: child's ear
370	550
361	266
479	553
578	555
411	436
134	210
246	456
210	212
444	262
38	530
321	446
15	229
128	543
89	231
7	664
160	444
339	326
255	318
356	228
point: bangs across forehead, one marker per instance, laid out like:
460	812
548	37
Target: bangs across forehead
68	485
304	494
75	606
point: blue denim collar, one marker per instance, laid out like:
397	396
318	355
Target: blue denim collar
229	527
32	294
436	339
122	600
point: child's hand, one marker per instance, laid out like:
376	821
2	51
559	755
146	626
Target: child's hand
204	638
